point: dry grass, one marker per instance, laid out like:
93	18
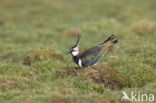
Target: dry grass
6	83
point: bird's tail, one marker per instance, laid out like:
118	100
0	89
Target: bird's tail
110	45
108	39
114	42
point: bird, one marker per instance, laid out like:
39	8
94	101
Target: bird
91	56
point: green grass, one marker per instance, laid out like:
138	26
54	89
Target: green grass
36	34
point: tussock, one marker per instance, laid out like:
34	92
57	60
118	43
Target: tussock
1	22
74	33
144	27
41	54
111	78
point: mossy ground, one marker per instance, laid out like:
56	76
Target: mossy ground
35	36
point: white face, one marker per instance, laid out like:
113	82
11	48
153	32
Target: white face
75	51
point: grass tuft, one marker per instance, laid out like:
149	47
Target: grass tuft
74	33
110	78
42	54
1	22
144	27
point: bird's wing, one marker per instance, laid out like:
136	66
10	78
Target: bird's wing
92	53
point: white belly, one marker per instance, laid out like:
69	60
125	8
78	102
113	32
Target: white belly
80	63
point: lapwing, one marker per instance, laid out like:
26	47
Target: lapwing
92	55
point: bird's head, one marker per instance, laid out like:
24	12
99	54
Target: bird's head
75	49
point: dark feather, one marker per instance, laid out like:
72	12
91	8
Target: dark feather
91	56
